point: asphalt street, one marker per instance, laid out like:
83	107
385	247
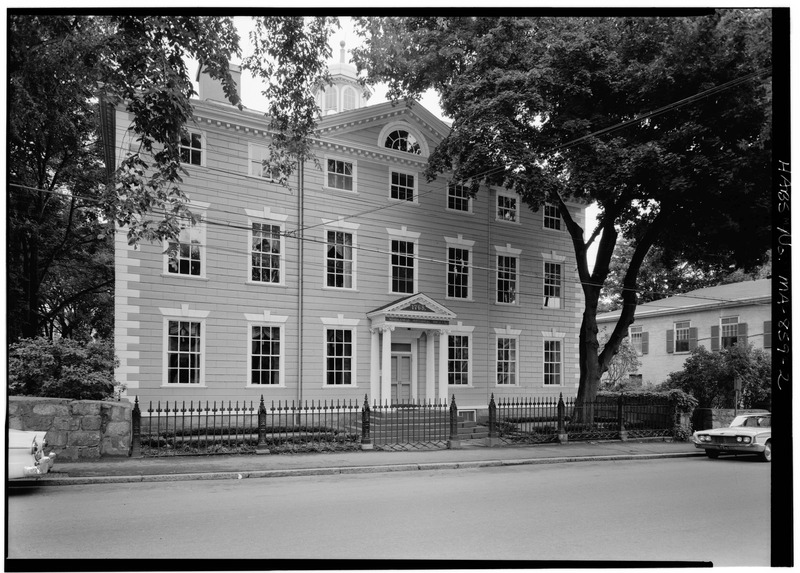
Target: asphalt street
683	509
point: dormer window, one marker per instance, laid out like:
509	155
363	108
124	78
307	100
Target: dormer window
401	140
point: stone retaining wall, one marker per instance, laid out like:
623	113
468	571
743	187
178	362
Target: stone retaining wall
76	429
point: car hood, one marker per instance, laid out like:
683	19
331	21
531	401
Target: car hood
23	439
736	431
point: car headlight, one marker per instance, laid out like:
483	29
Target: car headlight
746	439
705	438
739	439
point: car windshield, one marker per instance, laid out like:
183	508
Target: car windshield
752	422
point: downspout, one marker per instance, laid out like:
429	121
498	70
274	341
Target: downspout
300	285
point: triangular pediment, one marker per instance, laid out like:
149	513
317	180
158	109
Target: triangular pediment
415	307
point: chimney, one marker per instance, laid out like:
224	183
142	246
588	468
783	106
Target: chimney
211	89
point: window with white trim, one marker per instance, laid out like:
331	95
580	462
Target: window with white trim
339	259
348	99
458	278
636	335
552	285
331	99
729	331
682	335
186	256
552	362
340	174
507	207
402	140
192	147
506	279
506	361
403	266
266	253
458	359
552	218
266	354
458	198
403	186
339	356
258	163
184	352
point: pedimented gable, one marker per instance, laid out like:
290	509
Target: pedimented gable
415	308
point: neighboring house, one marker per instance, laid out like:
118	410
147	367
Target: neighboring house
362	280
666	331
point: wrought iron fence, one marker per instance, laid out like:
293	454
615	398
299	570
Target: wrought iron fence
415	425
525	420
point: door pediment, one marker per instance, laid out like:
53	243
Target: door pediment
415	308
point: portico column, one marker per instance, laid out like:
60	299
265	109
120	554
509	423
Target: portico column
375	366
386	365
443	348
430	367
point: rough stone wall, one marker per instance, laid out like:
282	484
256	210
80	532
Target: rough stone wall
76	429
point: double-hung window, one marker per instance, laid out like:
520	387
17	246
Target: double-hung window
184	351
507	207
552	285
506	361
506	279
457	272
458	359
458	198
635	333
552	362
403	266
729	331
187	255
266	253
402	186
258	164
266	353
339	259
682	335
340	174
339	356
192	148
552	218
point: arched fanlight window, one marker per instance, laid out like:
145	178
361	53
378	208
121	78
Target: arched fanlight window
401	140
348	99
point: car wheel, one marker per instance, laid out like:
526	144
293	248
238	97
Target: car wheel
713	454
766	455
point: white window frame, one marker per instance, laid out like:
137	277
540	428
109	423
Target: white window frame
466	245
687	338
560	362
188	233
256	155
552	302
512	335
468	336
453	185
331	93
348	92
507	195
349	229
350	325
511	253
403	234
636	336
183	314
414	187
203	148
555	220
266	217
723	324
273	321
326	173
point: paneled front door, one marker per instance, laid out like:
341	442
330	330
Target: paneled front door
401	378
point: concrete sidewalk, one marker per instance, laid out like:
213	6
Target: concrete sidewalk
179	468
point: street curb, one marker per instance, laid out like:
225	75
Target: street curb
255	474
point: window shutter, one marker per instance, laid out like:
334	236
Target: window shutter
767	334
742	334
715	338
670	341
645	342
692	338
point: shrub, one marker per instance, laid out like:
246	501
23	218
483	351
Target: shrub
62	369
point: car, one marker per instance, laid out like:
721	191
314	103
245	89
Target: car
747	434
26	457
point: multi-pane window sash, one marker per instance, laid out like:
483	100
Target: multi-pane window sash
265	355
506	208
402	266
552	285
266	253
183	352
184	258
192	148
552	218
682	332
635	333
506	361
340	174
457	197
401	140
729	331
338	357
339	260
402	186
506	279
348	99
457	272
458	359
259	163
552	362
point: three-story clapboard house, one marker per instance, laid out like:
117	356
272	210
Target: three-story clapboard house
358	278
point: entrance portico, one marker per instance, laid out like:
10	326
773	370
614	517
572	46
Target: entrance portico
397	331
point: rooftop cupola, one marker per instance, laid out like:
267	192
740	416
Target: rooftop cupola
345	93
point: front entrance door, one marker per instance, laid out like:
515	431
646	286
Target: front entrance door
401	378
